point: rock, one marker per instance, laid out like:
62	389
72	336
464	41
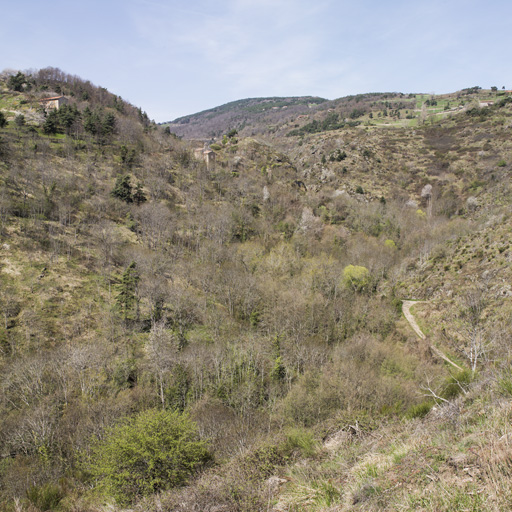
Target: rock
411	204
274	483
338	193
6	247
426	191
506	291
309	222
335	441
326	175
471	203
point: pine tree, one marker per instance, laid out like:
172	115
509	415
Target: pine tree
138	196
67	116
108	124
51	124
123	189
127	300
278	371
18	82
91	121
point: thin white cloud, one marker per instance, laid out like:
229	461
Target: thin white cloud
246	47
173	57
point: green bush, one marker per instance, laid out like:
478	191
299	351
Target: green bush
419	410
151	452
123	189
455	384
301	440
45	497
505	385
356	277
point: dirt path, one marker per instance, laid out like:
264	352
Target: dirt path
406	308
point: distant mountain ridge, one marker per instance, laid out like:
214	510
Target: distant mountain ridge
281	115
257	105
238	114
298	116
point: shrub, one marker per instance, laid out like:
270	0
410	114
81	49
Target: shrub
45	497
123	189
300	440
390	244
455	384
419	410
505	385
356	277
154	451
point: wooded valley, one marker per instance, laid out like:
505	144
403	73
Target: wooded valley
180	336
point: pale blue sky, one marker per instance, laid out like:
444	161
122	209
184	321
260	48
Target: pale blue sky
179	57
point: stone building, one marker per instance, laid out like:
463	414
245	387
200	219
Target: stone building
207	155
53	103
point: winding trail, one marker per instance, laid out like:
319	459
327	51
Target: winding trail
406	309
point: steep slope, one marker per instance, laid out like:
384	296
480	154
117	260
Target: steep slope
261	295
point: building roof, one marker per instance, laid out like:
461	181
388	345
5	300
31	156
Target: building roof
50	99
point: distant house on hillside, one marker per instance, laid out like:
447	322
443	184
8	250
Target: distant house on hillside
53	103
207	155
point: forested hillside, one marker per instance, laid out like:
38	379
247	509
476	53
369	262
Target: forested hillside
249	116
300	116
230	337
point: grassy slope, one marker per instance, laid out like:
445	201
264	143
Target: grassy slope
342	439
457	458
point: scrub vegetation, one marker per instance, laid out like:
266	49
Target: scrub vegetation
183	336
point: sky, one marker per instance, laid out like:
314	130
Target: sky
173	58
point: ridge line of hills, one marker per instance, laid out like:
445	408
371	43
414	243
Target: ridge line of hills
302	115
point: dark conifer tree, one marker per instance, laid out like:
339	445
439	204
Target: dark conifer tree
51	123
123	189
127	298
138	196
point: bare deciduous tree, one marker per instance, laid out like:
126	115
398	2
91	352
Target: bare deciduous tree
161	349
470	326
